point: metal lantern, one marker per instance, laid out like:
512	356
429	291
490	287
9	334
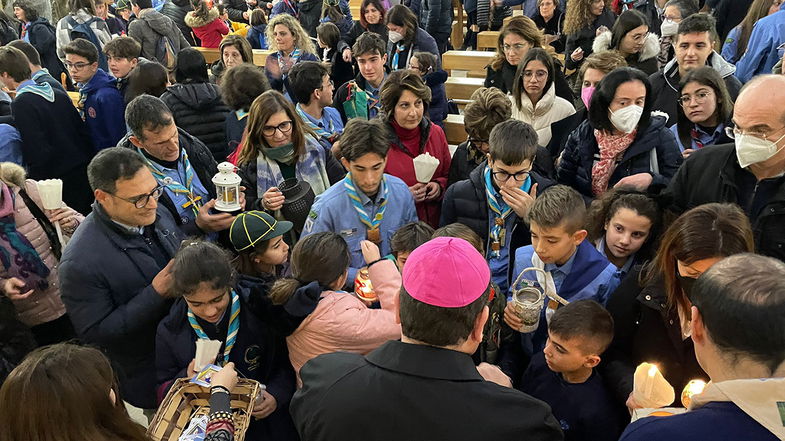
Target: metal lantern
227	188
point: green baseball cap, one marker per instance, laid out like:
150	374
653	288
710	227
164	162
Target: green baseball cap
252	227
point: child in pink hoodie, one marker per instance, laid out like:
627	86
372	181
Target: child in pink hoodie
335	320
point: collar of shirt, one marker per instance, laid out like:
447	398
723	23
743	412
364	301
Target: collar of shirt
627	265
129	229
564	269
323	122
709	138
365	200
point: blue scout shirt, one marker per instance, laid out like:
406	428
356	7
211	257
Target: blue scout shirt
330	122
178	199
333	211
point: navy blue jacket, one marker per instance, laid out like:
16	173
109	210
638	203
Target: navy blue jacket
258	354
581	151
423	42
42	36
104	110
437	109
106	278
436	16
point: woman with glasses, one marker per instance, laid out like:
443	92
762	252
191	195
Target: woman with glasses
405	97
622	142
630	36
515	39
583	21
424	64
213	304
279	146
704	111
291	44
405	37
534	99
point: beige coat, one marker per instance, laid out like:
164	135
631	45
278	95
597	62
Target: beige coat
40	307
549	109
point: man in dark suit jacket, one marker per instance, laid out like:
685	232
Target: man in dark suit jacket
424	387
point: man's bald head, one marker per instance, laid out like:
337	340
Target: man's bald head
764	92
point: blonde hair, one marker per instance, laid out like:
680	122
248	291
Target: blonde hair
301	39
579	15
489	106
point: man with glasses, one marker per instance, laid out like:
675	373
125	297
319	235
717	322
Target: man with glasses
115	272
179	161
694	48
100	102
55	140
312	88
750	172
495	200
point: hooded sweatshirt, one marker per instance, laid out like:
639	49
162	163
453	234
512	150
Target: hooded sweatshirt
199	110
729	410
149	27
210	30
103	110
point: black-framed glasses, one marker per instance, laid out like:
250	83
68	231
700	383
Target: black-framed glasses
143	200
503	176
284	127
76	67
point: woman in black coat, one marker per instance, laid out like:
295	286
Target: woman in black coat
622	142
651	307
196	103
582	20
515	39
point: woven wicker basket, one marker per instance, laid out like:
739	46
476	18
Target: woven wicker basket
186	400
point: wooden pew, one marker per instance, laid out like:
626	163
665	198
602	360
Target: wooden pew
462	88
487	40
212	55
472	61
454	129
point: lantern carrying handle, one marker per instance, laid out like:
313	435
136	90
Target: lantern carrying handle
548	292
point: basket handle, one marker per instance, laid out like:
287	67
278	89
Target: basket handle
548	292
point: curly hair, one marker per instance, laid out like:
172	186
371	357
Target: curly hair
301	39
393	88
31	13
579	15
489	106
521	26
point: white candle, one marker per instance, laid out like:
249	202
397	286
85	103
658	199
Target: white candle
650	381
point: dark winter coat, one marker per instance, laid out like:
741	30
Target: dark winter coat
340	71
713	175
235	9
436	16
198	109
106	278
205	168
466	202
176	10
585	37
581	151
437	109
150	27
358	29
42	36
104	110
258	353
16	340
729	14
462	165
257	37
504	77
423	42
645	329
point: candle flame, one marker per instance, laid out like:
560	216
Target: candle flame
653	370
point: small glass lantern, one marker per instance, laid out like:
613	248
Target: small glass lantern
227	188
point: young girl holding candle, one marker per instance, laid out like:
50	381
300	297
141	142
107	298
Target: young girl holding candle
651	307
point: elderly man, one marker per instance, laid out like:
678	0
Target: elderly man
749	173
114	273
745	397
424	387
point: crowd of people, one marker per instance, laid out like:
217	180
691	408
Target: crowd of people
625	159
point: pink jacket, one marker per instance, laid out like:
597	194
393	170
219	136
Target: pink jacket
41	307
342	322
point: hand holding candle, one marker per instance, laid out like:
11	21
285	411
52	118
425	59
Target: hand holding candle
650	388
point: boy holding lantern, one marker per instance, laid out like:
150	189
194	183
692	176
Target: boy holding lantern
563	374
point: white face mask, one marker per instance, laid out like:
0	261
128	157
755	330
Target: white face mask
752	150
626	119
669	28
394	36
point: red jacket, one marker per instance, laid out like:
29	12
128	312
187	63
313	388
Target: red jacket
405	145
210	30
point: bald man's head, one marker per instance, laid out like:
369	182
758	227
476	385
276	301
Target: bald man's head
763	96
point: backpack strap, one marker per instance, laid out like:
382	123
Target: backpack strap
44	221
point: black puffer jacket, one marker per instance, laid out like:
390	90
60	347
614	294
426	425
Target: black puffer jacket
176	10
436	16
463	164
465	202
581	151
199	110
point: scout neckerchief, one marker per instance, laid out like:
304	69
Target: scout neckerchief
231	333
294	57
695	135
174	186
373	234
328	134
501	210
400	47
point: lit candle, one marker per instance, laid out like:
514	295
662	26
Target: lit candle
650	381
694	387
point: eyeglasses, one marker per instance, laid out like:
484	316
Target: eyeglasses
700	98
517	47
284	127
76	67
733	132
477	142
503	176
142	201
539	75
